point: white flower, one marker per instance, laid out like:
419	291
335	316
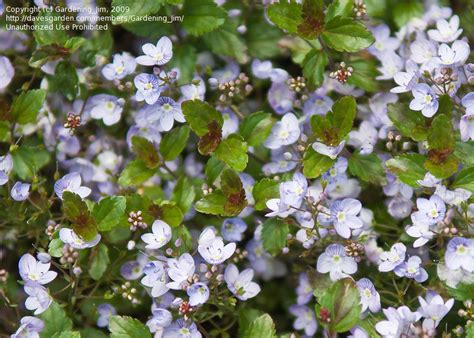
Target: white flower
180	270
328	151
107	108
389	260
72	183
34	271
240	284
68	236
156	55
446	31
284	132
212	249
335	261
456	55
160	236
6	72
38	299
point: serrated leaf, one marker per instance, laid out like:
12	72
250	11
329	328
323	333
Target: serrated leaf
108	211
55	321
465	179
127	327
409	123
346	35
44	35
233	152
444	169
274	235
233	191
55	248
313	19
256	127
184	58
145	151
100	262
76	212
313	65
173	142
286	15
64	80
262	327
133	8
368	168
408	168
199	115
264	190
213	169
202	16
183	194
339	8
212	203
226	41
27	161
344	113
464	152
135	173
25	106
315	164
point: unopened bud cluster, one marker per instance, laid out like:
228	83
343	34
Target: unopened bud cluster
234	88
355	250
297	84
127	292
239	255
135	220
51	228
342	74
70	255
447	76
73	121
3	275
360	9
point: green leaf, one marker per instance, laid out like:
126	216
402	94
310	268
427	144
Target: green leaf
25	106
174	142
286	15
199	115
464	152
409	123
343	302
64	80
315	164
100	261
368	168
274	235
339	8
312	14
212	203
234	193
184	58
441	135
55	248
55	321
27	161
346	35
314	64
444	169
213	169
226	41
67	334
5	131
108	211
264	190
233	152
465	179
262	38
408	168
74	43
133	8
135	173
171	214
256	127
209	142
127	327
461	292
76	211
202	16
145	151
43	33
344	113
404	11
183	194
261	327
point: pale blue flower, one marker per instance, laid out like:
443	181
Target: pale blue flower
148	87
240	284
399	322
212	248
424	99
194	91
281	98
105	310
304	290
164	112
278	208
412	269
460	254
389	260
30	327
233	229
6	165
422	232
72	183
365	138
155	278
317	105
329	151
6	72
383	41
456	55
335	261
284	132
369	297
430	211
20	191
158	54
107	108
122	65
35	272
198	294
344	216
182	329
180	270
423	51
38	299
161	319
466	125
446	31
392	63
406	80
160	236
292	192
434	309
305	319
68	236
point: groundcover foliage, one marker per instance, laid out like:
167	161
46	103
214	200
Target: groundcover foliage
238	169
